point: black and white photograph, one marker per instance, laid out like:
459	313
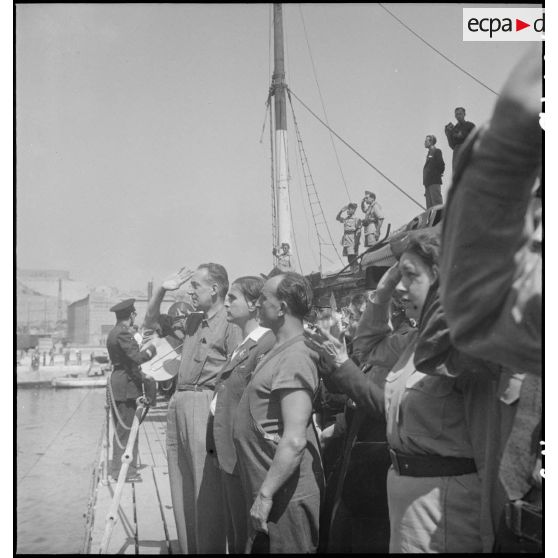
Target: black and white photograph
279	278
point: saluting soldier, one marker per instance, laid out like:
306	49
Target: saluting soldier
351	232
126	382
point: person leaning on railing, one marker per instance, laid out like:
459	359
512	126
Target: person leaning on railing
435	425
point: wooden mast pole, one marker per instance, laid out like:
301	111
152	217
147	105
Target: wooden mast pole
279	87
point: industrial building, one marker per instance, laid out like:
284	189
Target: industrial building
90	319
42	299
49	302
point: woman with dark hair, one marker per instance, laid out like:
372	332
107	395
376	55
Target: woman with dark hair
236	373
437	427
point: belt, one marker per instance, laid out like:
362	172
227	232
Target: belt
195	387
524	520
431	465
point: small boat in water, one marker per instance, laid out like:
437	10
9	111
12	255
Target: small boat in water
79	382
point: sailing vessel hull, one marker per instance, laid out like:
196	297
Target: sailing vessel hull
83	382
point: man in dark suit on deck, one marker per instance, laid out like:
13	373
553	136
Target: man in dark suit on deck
432	172
125	382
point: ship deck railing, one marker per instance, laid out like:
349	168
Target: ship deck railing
145	517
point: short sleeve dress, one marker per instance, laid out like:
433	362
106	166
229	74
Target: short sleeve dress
257	428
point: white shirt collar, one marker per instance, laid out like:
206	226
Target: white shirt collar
254	335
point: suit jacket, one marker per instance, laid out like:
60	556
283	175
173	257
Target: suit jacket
126	358
231	381
434	167
458	134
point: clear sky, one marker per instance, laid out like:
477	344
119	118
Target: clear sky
138	126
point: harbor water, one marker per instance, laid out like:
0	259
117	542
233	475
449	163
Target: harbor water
58	431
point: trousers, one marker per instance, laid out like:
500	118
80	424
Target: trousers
433	195
195	481
434	514
126	409
236	513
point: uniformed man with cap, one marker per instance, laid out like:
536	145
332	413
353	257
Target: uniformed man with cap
125	382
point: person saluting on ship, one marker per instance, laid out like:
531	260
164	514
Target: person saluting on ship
125	382
351	232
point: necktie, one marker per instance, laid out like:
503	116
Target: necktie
204	324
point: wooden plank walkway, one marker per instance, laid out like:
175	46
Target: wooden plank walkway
145	520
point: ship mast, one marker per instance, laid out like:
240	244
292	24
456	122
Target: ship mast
281	171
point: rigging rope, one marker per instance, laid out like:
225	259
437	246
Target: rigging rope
354	150
437	51
294	238
265	118
308	228
323	104
303	159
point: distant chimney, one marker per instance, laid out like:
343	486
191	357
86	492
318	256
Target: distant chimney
59	308
149	290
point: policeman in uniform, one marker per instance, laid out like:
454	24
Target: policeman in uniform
125	381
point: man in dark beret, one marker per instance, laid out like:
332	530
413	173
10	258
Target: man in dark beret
125	382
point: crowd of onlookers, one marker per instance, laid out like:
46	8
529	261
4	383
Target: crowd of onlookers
66	356
409	421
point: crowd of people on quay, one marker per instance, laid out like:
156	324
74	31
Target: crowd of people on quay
38	358
409	422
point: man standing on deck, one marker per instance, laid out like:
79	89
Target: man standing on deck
351	233
373	218
457	133
277	447
194	475
283	255
432	172
125	383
